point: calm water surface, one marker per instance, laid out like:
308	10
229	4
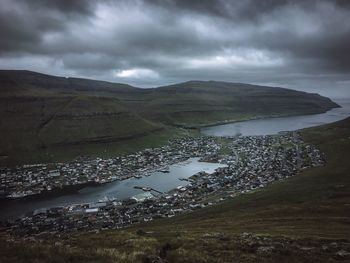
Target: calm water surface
120	189
270	126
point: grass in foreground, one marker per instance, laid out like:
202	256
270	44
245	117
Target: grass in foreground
302	212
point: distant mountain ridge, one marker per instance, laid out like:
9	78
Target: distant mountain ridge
42	113
30	79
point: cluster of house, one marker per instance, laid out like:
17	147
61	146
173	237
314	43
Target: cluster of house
26	180
251	163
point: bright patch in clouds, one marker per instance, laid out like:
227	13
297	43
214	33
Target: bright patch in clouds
237	59
136	73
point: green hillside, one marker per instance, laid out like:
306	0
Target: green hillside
46	118
197	103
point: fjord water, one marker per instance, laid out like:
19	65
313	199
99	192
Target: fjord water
271	126
160	181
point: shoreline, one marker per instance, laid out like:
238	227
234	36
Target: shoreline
201	126
74	189
56	192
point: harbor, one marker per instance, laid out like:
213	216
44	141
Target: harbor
248	163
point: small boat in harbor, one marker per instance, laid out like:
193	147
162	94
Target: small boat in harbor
166	170
107	199
104	199
183	179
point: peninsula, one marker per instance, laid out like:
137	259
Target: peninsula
46	118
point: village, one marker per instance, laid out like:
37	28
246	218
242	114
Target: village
252	162
30	180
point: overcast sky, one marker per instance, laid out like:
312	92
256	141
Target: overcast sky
297	44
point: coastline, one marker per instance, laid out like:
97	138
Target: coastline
261	117
56	192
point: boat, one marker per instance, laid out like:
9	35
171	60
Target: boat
183	179
103	200
16	195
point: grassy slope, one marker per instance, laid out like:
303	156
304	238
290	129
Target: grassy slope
114	148
196	103
40	128
313	205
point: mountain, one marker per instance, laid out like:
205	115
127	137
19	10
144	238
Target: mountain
196	103
50	118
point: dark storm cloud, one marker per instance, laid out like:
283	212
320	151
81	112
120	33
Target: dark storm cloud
151	42
64	6
246	10
24	23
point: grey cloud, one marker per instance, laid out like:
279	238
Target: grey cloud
64	6
23	24
176	40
